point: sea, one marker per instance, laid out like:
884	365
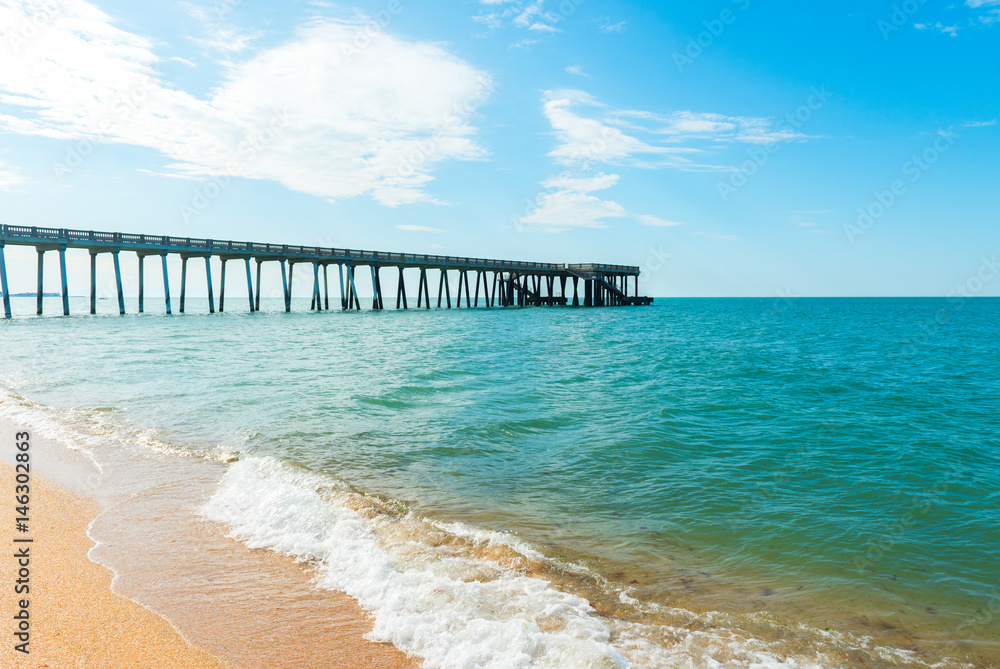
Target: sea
697	483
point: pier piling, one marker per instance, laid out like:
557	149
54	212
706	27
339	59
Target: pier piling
118	282
3	284
65	285
41	280
166	283
184	276
513	283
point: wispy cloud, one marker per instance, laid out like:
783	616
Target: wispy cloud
947	30
657	222
537	16
576	70
590	134
417	228
712	235
590	131
609	27
10	177
569	204
349	123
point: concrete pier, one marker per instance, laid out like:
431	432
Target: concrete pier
513	283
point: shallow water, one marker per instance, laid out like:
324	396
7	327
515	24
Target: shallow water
815	471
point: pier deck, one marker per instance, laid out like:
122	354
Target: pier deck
513	283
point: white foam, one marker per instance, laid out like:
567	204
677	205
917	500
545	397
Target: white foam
421	605
455	610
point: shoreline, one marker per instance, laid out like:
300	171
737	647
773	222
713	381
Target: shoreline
135	583
76	615
259	608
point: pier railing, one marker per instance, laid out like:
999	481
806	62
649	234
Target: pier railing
515	283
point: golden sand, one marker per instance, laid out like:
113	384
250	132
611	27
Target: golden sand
78	621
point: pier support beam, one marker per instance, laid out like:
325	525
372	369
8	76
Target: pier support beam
166	283
184	279
376	289
256	294
315	304
286	285
142	283
118	282
353	295
3	284
343	295
443	284
41	280
246	261
222	286
208	278
401	290
93	282
65	285
423	289
326	289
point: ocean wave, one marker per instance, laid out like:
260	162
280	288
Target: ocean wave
462	597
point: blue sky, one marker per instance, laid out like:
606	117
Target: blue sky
729	148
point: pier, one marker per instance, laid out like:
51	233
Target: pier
501	283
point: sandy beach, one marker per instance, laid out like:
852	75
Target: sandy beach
79	621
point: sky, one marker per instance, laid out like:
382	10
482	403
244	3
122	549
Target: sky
728	148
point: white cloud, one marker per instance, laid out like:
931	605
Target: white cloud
948	30
976	4
712	235
613	27
521	14
589	131
10	177
417	228
980	124
311	113
568	204
576	70
656	222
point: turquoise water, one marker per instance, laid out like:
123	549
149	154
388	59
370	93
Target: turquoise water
830	461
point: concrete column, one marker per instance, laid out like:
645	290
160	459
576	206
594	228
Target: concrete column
3	284
208	278
93	282
118	282
65	286
184	277
41	280
166	282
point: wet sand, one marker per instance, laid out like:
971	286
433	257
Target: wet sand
205	584
77	621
